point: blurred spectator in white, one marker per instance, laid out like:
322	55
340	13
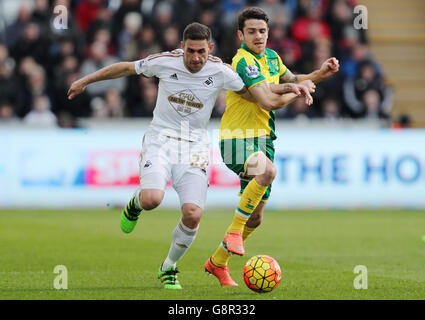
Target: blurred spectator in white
127	39
99	58
40	114
367	79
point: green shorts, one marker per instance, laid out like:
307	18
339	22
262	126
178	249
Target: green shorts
236	152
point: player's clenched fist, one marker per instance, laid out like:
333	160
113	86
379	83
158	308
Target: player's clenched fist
76	88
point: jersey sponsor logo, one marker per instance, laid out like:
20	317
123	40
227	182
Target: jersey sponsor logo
252	71
140	63
174	76
209	81
185	102
147	164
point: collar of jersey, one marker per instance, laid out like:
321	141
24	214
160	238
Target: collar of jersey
257	56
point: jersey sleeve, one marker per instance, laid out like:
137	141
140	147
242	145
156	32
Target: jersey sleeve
250	72
145	66
232	81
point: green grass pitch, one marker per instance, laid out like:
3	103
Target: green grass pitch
317	251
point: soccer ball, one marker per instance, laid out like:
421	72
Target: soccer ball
261	273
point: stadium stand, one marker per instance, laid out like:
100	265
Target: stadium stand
38	59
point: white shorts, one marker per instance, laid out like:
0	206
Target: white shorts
185	163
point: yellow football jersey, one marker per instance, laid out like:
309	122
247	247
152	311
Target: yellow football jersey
244	118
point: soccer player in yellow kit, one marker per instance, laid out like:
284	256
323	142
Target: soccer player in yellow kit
247	132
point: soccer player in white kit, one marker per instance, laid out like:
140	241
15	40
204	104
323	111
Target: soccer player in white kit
176	144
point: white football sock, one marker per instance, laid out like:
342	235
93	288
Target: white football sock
182	239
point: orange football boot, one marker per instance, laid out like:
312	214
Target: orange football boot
222	273
233	242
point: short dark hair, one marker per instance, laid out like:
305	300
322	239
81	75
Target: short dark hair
197	31
251	13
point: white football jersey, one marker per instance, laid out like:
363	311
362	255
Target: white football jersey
185	100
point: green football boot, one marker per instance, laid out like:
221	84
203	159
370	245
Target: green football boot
130	216
169	278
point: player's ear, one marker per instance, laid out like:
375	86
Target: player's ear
240	35
182	44
211	46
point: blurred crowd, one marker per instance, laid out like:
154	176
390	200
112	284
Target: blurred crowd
39	61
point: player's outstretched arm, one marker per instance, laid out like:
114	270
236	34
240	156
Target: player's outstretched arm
328	69
269	100
116	70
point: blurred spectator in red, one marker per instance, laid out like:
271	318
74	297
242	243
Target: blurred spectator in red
403	122
40	114
311	26
286	47
86	12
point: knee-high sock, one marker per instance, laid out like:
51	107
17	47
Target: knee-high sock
250	199
182	239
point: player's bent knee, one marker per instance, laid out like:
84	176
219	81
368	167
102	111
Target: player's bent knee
191	215
151	200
